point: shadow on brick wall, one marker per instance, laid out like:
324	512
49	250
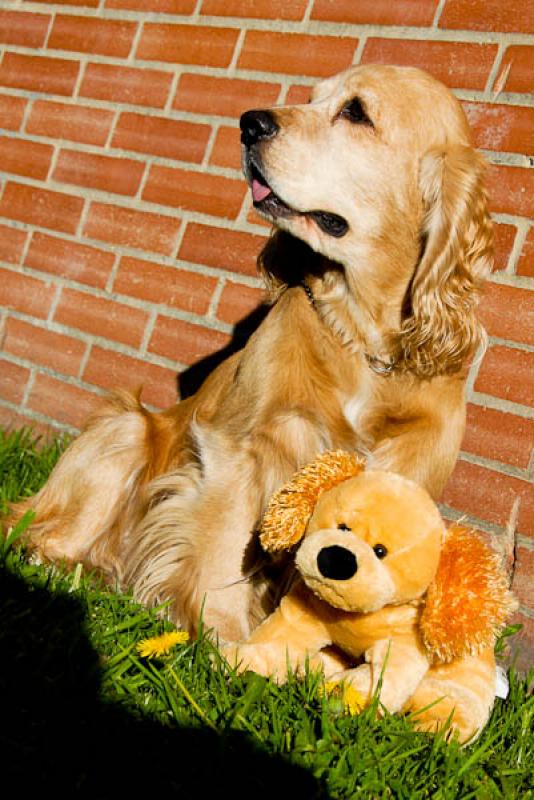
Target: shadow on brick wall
191	379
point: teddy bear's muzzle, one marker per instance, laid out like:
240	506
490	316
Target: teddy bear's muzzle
337	563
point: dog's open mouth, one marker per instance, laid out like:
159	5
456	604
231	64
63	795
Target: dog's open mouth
269	203
264	199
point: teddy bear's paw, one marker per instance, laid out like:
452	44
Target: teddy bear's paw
359	678
256	658
439	704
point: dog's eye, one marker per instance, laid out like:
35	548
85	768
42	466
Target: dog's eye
342	527
380	550
355	113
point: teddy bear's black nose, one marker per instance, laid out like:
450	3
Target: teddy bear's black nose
337	563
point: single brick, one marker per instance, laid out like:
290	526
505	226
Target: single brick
507	312
488	15
11	420
517	68
141	87
255	219
41	207
157	6
298	95
111	370
12	243
105	37
507	373
499	436
170	138
296	53
88	3
26	294
62	401
375	12
220	248
525	264
68	259
181	341
173	287
132	228
25	29
39	73
238	301
106	318
501	127
523	585
511	190
74	122
22	157
187	44
227	97
226	150
259	9
46	348
106	173
13	380
484	493
11	112
195	191
461	65
503	241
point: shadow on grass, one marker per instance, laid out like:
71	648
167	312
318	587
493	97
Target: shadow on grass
56	732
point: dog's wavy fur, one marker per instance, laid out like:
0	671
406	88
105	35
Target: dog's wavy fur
167	503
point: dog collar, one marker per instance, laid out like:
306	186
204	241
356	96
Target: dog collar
378	365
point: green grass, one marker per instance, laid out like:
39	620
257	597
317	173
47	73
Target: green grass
84	715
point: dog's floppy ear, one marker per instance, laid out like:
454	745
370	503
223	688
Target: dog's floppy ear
291	506
468	601
441	330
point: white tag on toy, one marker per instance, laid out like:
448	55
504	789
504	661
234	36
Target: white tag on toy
502	687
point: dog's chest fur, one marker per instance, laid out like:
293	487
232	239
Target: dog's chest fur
355	405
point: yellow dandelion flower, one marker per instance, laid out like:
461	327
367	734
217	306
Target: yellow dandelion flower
161	645
346	696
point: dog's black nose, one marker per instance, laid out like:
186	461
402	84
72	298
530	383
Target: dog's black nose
337	563
256	125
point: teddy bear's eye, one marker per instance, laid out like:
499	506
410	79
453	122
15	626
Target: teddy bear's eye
380	550
342	527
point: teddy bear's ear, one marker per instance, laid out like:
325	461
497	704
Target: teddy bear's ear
468	601
291	507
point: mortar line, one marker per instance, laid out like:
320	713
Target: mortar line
437	13
215	298
237	52
522	229
496	466
29	387
147	335
85	359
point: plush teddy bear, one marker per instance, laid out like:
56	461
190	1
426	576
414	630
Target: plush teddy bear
381	578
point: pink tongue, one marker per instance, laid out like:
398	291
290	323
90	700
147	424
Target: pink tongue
259	191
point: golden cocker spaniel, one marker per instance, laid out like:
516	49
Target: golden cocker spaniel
381	241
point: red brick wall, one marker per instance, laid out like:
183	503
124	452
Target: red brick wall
127	240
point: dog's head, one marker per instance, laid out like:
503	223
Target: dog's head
377	174
373	540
